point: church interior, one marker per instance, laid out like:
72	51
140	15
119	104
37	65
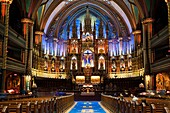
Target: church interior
87	48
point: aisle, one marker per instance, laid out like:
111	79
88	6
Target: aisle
87	107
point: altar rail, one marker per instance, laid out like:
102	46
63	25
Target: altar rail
126	105
53	84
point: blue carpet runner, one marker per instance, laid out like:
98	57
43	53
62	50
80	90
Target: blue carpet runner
87	107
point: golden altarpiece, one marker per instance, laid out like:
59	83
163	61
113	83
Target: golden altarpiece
89	53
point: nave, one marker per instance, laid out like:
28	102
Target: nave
98	50
66	104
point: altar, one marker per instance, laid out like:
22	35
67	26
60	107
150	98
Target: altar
87	90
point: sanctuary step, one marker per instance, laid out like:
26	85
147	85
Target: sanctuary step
84	96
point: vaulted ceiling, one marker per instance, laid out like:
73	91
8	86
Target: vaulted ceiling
51	15
119	14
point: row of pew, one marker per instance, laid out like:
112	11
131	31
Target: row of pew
126	105
38	105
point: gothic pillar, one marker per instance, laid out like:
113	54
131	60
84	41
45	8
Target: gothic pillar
168	4
95	55
144	47
107	59
25	34
31	47
147	34
137	35
79	60
28	36
38	41
30	53
120	45
55	46
6	4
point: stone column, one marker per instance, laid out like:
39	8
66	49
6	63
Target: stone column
147	35
168	4
25	22
5	4
144	47
128	53
28	36
31	25
38	41
120	46
107	54
5	43
55	46
31	46
28	30
96	55
137	35
3	10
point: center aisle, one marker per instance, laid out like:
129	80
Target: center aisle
87	107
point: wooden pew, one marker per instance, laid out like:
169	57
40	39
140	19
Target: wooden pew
116	106
166	110
26	108
157	108
122	106
23	108
132	107
146	108
40	105
46	106
127	104
5	109
113	104
138	107
15	108
12	109
1	107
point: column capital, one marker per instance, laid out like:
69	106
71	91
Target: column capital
136	32
6	1
27	20
147	20
167	1
39	32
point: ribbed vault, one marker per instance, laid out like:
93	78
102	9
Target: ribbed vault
118	14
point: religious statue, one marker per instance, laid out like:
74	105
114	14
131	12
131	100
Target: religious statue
62	67
101	65
87	59
73	65
45	65
122	65
53	65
